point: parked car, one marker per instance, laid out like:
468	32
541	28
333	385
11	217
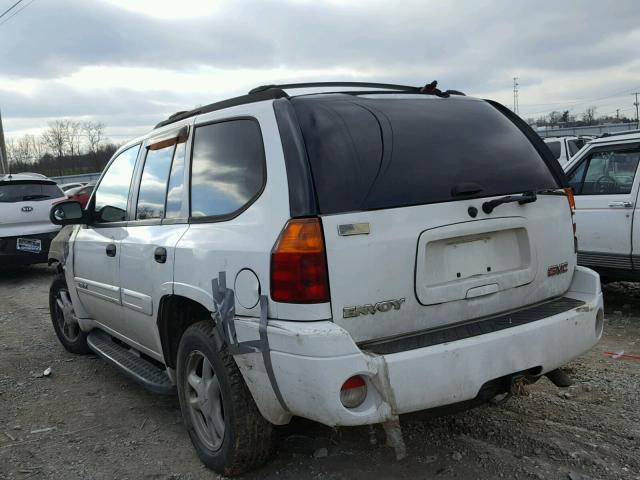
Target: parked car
25	228
80	194
563	148
342	257
68	186
605	183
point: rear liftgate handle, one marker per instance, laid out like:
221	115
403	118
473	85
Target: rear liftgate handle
160	255
111	250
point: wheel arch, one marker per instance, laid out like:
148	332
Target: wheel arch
176	313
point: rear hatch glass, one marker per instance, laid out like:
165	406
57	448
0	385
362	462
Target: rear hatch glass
28	191
369	153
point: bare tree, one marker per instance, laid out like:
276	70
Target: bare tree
56	137
94	131
74	137
589	115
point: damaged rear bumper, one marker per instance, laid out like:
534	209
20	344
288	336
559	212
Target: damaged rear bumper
311	361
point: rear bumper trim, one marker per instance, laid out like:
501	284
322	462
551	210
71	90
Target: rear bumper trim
471	328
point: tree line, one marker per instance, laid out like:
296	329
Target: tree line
587	118
66	147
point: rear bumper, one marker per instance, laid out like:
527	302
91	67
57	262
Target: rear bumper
10	256
311	360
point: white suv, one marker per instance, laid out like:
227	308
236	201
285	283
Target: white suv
563	148
343	257
604	177
25	228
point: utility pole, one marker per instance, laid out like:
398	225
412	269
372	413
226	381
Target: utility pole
4	161
515	95
617	114
636	105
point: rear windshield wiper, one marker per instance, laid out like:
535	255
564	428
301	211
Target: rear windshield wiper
526	197
26	198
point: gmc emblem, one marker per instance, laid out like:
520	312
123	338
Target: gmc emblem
557	269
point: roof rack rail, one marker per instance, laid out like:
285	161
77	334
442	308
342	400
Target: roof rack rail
429	88
231	102
270	92
382	86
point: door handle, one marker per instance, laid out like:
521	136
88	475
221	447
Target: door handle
620	204
160	255
111	250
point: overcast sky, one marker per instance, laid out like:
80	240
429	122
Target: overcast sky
130	63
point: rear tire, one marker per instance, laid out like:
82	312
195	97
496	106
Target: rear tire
65	324
226	428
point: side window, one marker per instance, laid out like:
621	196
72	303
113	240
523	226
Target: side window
113	191
610	172
555	148
575	177
153	186
176	183
574	146
228	167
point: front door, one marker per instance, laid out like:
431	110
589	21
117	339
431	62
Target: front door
606	189
96	265
157	223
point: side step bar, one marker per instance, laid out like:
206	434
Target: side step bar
144	372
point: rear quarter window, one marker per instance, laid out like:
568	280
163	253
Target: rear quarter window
374	153
227	168
555	148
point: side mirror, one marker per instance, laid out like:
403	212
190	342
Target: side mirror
67	213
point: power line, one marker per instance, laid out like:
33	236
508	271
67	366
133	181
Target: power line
10	8
16	12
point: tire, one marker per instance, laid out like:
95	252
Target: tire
67	329
241	439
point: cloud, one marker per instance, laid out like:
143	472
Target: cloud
136	65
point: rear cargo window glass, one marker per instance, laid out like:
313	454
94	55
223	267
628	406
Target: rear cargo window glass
227	169
555	148
25	191
373	153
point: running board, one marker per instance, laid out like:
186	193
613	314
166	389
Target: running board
144	372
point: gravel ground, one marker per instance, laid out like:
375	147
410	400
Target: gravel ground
88	421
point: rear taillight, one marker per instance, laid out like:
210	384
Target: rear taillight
572	207
353	392
299	264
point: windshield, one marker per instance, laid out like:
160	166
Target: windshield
26	191
373	153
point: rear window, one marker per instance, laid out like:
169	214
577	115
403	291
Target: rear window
374	153
28	191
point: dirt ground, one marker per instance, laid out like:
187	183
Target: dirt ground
87	421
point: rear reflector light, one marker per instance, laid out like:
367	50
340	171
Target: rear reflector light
299	264
353	392
571	199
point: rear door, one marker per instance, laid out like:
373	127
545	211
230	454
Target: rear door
96	265
402	186
605	184
159	219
